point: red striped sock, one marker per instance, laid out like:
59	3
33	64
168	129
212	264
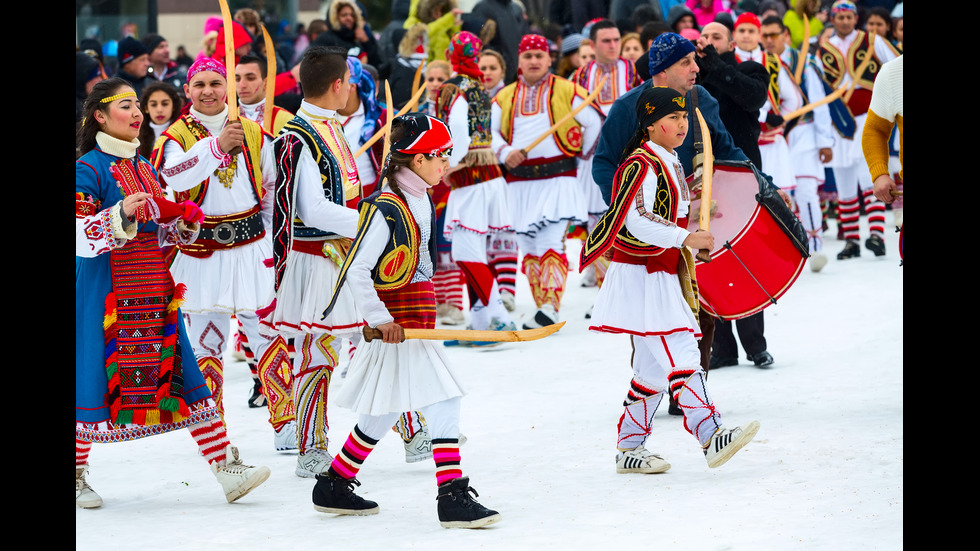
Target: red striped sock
445	452
358	446
82	449
448	286
212	440
875	210
849	218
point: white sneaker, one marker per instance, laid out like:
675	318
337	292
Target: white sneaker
508	299
236	478
285	438
419	448
640	460
546	315
313	462
452	316
85	496
817	261
725	442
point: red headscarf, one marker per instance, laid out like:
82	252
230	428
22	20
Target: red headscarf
462	53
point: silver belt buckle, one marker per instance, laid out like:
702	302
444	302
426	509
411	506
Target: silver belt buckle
224	233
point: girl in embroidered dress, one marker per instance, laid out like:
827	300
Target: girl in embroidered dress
135	372
388	271
650	291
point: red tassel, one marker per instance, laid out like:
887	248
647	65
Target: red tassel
269	262
263	312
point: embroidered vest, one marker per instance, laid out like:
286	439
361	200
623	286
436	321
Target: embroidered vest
609	95
561	93
481	163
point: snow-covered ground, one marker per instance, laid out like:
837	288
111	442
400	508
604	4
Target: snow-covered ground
825	471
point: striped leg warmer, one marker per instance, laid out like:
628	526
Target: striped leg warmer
445	452
408	424
82	449
448	287
212	440
347	463
875	210
848	218
311	381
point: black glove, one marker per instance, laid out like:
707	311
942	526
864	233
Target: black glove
711	59
774	120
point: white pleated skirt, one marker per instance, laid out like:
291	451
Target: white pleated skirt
590	191
305	291
394	378
538	203
635	302
481	208
777	162
229	281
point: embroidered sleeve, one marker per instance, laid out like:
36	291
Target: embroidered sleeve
643	220
178	233
101	232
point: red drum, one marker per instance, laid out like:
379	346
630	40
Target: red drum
760	245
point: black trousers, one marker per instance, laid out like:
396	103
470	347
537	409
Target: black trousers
750	333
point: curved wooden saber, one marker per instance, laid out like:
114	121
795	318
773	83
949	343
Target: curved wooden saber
270	79
554	128
811	106
707	171
416	81
522	335
804	50
229	30
387	129
384	129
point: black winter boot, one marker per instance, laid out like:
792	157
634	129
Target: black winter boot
334	494
458	510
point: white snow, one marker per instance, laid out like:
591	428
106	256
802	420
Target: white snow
825	471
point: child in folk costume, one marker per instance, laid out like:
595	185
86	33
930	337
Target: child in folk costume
389	272
135	371
650	292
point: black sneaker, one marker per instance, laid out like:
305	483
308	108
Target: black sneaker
851	250
875	244
257	399
333	494
717	361
458	510
762	359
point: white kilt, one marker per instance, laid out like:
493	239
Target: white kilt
304	293
228	281
481	208
848	153
635	302
594	204
537	203
394	378
805	153
776	162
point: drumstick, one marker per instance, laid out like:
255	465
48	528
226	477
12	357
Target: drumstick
707	171
554	128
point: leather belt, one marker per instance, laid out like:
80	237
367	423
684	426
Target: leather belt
542	170
226	232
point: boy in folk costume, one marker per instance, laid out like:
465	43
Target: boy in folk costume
314	222
621	77
477	206
227	168
544	190
650	291
810	137
388	274
841	55
361	117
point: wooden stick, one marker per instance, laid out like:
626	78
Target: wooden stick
384	129
811	106
804	50
229	31
861	68
270	78
415	79
896	193
554	128
523	335
707	172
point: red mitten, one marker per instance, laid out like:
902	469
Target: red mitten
163	211
192	212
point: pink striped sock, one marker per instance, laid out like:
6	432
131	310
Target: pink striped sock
445	452
358	446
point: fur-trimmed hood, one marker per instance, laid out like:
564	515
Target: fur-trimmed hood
335	7
426	8
406	48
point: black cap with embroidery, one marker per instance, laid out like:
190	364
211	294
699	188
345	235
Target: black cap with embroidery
657	102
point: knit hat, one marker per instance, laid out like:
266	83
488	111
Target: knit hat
571	43
129	49
690	34
666	50
656	102
843	5
151	41
748	18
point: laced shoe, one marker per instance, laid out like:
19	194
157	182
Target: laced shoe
333	494
508	299
851	250
817	262
257	399
725	442
236	478
640	460
285	438
450	315
313	462
875	244
458	510
85	496
546	315
419	448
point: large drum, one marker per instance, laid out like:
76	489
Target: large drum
760	245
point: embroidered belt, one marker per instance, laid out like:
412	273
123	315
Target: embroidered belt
664	262
334	249
547	167
226	232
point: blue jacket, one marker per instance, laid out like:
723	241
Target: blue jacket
621	125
